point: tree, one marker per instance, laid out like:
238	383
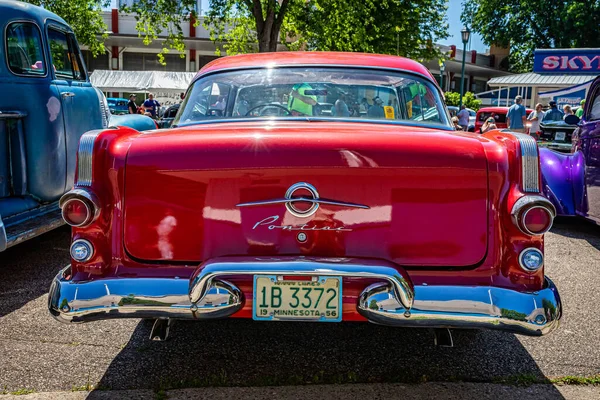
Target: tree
469	100
403	27
524	25
84	16
240	24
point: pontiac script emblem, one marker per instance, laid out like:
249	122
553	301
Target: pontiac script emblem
308	194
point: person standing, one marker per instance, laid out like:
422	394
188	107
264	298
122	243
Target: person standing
340	108
131	106
463	117
553	114
579	112
151	105
567	110
376	110
535	117
515	118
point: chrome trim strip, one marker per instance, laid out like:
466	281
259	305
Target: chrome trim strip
85	157
480	307
289	201
530	163
219	268
100	299
524	204
3	237
521	259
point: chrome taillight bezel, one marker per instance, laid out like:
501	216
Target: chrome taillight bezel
527	203
88	199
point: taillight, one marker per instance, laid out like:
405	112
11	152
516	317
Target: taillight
537	220
533	215
79	208
76	212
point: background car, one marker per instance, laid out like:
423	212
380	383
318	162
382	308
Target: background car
272	210
43	112
117	106
167	117
556	135
572	180
498	113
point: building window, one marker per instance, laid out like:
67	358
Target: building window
93	63
149	62
479	86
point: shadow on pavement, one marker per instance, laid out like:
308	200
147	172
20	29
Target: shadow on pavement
578	228
246	353
27	270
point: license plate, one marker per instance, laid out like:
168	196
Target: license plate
277	299
560	135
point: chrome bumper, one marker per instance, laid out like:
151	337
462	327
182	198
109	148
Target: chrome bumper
394	301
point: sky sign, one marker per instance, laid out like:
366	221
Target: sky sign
567	61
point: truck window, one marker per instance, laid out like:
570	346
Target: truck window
24	49
65	56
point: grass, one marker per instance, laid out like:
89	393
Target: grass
20	392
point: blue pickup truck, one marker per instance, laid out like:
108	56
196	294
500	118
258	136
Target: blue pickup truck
46	103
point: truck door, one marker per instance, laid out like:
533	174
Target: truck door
590	136
79	100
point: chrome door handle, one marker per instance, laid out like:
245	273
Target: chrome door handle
68	94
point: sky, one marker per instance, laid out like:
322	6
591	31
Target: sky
455	26
454	10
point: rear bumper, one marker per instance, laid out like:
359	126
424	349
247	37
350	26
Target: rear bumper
392	301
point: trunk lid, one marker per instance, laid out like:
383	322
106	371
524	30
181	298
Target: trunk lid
426	193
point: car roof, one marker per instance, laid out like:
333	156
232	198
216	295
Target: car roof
12	9
321	58
499	109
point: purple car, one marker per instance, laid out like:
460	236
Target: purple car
572	181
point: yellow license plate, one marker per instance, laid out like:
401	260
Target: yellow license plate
277	299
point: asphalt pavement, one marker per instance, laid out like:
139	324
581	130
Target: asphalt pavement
38	353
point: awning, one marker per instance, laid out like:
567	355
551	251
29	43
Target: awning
141	81
545	80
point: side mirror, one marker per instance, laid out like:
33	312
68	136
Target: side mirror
572	119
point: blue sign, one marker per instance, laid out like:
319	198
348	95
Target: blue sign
569	61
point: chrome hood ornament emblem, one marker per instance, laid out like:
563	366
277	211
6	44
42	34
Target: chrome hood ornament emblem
312	197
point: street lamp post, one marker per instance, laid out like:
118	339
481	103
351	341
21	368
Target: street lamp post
442	73
464	33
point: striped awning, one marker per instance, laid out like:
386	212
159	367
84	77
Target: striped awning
533	79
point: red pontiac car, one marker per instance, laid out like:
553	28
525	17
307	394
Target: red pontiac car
319	187
498	113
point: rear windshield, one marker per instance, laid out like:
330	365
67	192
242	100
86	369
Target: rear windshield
319	93
499	118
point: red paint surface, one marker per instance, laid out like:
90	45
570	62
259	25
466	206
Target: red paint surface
448	197
417	183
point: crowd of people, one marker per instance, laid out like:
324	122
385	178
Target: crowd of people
149	107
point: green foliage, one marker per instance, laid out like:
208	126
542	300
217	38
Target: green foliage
242	26
525	25
163	17
84	16
452	98
469	100
402	27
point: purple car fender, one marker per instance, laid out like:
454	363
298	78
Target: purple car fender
563	181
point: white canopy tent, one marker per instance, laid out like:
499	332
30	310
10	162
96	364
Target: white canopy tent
141	81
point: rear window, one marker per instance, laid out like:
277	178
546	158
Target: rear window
314	92
499	118
24	49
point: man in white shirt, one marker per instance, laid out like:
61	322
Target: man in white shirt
535	117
